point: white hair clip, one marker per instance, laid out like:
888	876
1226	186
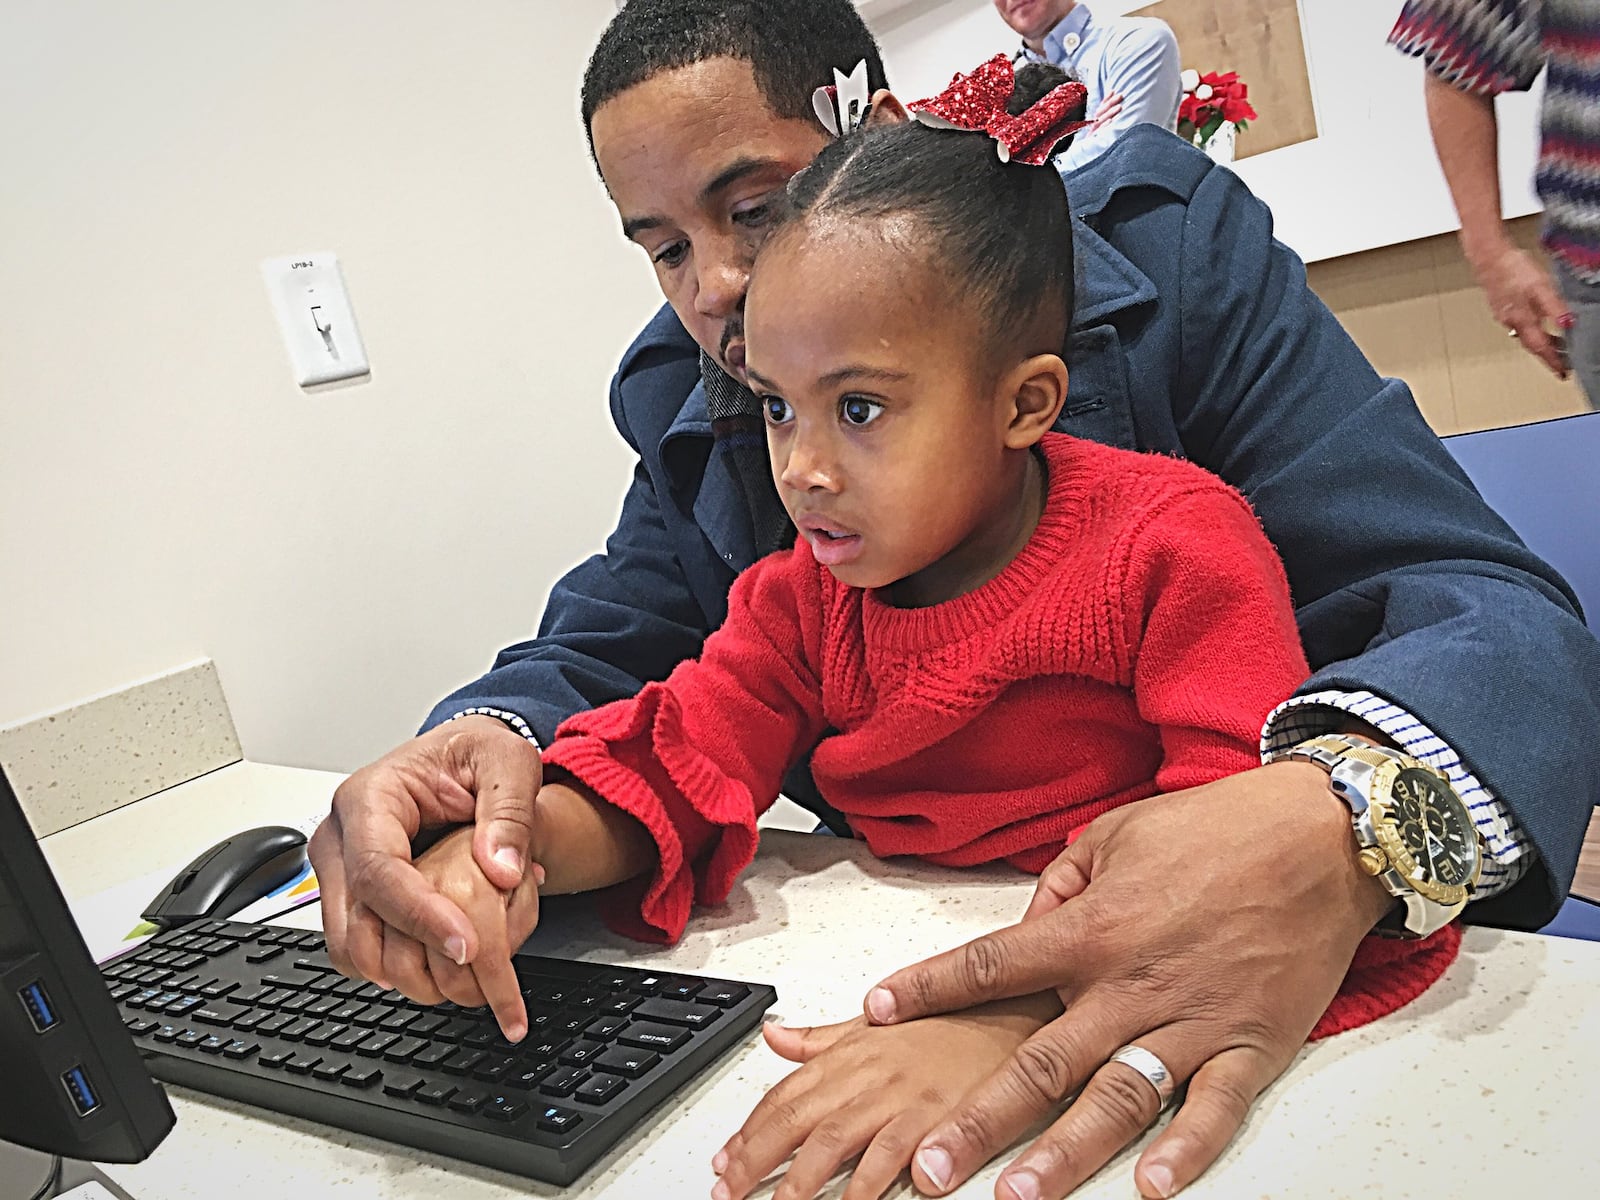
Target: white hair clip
842	105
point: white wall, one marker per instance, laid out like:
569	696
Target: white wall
166	491
1371	179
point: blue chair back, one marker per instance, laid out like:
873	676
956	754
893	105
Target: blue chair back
1544	479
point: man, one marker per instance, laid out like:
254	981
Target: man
1195	335
1475	50
1135	58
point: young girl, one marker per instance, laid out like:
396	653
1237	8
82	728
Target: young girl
986	635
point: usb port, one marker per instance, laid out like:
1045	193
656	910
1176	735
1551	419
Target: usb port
37	1001
83	1097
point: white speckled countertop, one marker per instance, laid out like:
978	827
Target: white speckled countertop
1489	1086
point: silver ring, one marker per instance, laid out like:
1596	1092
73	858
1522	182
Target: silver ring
1154	1071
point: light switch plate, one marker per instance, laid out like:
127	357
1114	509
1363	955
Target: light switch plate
314	312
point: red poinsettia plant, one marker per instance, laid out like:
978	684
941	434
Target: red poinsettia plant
1210	101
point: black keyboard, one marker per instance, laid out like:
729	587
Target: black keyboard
257	1013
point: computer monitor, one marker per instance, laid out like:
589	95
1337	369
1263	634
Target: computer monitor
73	1085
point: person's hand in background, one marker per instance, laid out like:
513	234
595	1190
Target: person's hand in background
1523	298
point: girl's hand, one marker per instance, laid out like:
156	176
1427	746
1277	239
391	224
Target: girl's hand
860	1092
503	920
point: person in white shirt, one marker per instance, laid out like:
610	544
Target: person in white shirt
1135	58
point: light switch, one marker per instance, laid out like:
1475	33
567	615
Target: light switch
319	326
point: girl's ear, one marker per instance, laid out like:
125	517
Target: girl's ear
1035	388
887	109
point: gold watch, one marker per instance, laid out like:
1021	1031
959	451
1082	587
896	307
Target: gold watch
1414	833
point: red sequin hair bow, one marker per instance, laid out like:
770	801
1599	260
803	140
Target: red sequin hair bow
977	102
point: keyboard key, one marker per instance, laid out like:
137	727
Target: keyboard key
122	991
493	1067
262	954
218	988
369	992
580	1053
346	1011
433	1055
455	1030
295	981
481	1039
665	1038
298	1003
192	1037
526	1074
349	988
252	1019
559	1120
505	1108
213	1044
402	1086
723	995
402	1050
462	1061
182	1005
680	989
621	1060
570	1023
620	1005
316	966
377	1043
645	985
435	1093
240	1049
397	1020
298	1031
468	1100
139	1026
325	1032
372	1014
563	1082
676	1012
426	1023
275	1057
219	1013
600	1088
329	1070
604	1028
168	1033
361	1075
302	1064
548	1046
323	1005
276	1022
325	984
352	1037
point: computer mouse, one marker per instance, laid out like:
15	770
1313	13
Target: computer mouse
235	872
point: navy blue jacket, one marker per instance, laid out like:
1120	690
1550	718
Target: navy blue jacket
1195	334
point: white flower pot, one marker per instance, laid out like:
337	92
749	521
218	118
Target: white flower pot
1220	145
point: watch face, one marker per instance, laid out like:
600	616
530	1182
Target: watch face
1435	829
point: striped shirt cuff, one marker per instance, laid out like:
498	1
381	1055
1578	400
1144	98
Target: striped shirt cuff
510	718
1507	851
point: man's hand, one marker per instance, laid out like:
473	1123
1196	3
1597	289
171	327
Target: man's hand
503	920
471	770
1523	298
1212	927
